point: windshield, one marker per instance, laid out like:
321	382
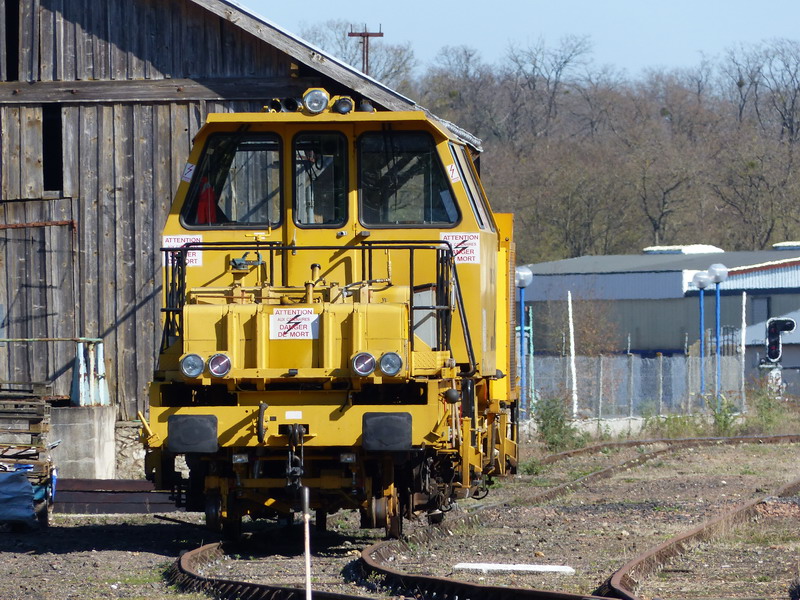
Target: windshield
237	183
320	172
402	181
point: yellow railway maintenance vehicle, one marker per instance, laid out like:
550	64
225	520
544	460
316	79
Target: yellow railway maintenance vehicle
338	303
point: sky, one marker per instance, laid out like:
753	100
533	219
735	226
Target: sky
629	35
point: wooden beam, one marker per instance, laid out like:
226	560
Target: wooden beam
162	90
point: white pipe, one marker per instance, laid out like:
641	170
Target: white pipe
742	349
307	536
572	358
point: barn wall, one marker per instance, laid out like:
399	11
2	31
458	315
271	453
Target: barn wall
74	40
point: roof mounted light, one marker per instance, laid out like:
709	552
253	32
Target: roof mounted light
192	366
390	364
219	365
316	100
343	105
363	363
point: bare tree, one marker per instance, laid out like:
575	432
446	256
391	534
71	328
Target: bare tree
392	64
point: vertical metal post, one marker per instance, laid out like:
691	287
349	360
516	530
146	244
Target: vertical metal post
531	366
702	341
719	353
522	389
600	389
630	385
307	537
660	384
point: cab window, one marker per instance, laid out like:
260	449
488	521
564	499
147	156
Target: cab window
472	187
320	179
402	181
237	182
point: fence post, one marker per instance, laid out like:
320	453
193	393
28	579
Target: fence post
660	383
600	388
630	385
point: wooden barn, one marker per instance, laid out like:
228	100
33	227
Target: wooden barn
99	100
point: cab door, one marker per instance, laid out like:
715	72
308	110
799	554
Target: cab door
321	192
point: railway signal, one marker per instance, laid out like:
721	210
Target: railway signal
775	327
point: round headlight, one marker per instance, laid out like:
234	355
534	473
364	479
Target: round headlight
192	365
363	363
219	365
316	101
390	364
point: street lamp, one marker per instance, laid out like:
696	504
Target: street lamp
701	281
522	279
718	273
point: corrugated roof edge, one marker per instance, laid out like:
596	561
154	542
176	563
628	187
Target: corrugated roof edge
309	54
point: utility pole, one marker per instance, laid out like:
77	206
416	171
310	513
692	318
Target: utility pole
365	35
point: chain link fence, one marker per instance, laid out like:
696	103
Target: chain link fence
629	385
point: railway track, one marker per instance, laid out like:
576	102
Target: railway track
190	571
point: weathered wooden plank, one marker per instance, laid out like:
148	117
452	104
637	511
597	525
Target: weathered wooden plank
12	150
88	192
57	11
135	19
164	187
70	118
117	31
124	321
19	292
164	90
39	354
25	41
145	228
178	19
162	51
77	12
47	59
5	286
3	44
61	293
149	40
31	180
105	246
99	29
35	33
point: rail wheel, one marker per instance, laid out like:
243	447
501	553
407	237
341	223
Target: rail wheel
213	507
386	511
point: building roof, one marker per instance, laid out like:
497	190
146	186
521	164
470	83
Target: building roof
661	276
647	263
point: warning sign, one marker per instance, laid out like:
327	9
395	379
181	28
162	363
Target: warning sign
294	324
188	171
466	246
452	171
193	258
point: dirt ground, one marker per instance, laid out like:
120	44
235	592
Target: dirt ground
593	530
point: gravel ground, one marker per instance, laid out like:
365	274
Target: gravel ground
594	530
598	528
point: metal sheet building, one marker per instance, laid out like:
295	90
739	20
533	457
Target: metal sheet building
649	304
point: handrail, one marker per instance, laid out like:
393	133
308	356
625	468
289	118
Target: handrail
446	265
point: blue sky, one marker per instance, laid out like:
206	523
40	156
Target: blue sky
630	35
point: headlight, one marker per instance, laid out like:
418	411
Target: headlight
192	366
316	100
219	365
363	363
390	364
343	105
